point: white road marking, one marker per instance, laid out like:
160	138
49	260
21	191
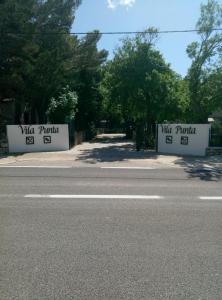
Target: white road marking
94	196
40	167
210	198
128	168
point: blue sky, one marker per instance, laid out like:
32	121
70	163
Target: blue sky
137	15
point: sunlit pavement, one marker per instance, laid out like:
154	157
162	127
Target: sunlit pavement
93	233
109	151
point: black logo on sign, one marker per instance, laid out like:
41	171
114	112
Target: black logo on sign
169	139
184	140
47	139
29	140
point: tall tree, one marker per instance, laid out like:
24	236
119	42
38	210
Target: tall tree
206	64
49	75
34	49
139	80
87	77
15	20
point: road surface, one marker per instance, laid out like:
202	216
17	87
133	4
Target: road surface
103	233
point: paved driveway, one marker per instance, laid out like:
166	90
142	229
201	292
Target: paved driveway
111	150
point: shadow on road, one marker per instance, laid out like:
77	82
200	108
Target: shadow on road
114	154
113	149
116	148
202	168
110	139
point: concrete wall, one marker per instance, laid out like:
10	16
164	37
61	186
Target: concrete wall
37	138
184	139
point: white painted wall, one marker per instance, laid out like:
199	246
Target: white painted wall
197	136
37	138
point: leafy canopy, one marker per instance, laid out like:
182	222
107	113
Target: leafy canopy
140	82
63	108
204	76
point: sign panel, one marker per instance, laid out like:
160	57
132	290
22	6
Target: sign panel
185	139
37	138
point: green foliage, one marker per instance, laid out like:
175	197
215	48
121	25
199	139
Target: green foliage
205	75
139	84
217	127
38	58
86	78
63	108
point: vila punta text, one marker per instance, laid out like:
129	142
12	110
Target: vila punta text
28	129
178	129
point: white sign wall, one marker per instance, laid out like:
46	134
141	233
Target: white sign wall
185	139
36	138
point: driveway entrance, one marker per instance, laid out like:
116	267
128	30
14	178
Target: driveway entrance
108	148
112	151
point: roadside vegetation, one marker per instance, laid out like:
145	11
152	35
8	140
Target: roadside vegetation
54	76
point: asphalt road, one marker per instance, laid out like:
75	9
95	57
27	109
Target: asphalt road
63	236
